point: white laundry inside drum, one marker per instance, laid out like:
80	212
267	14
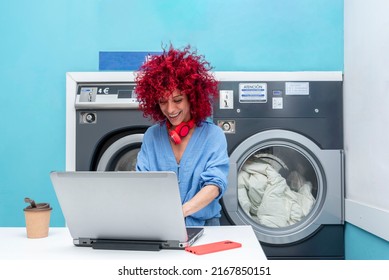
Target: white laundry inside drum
270	199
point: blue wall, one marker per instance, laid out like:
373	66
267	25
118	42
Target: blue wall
41	40
361	245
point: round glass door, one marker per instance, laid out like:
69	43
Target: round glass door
121	155
278	185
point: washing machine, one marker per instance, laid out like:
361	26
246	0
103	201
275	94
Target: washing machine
285	141
105	127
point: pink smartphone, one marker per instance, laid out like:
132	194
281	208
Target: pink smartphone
213	247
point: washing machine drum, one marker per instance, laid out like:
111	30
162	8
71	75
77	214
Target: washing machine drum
272	194
121	154
284	185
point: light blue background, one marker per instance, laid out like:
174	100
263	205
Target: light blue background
41	40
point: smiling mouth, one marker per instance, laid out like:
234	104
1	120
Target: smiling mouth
175	116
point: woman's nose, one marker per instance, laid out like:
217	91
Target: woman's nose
170	106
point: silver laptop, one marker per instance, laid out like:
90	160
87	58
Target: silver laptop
123	210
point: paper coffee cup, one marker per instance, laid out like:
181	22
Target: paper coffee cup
37	220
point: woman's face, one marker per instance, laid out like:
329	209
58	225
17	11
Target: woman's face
176	107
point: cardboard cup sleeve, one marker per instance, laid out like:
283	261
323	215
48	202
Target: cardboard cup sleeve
37	220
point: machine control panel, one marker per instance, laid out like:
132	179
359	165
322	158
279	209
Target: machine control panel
112	95
277	99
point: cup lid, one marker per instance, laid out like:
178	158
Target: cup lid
36	206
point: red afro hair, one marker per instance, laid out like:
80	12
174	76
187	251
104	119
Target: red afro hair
176	69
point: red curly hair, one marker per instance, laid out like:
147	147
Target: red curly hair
176	69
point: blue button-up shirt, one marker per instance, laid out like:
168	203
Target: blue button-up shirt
204	162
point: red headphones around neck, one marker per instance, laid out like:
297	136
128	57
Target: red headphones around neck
180	131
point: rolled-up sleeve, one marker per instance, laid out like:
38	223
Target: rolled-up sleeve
217	162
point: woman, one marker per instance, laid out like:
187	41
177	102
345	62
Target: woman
176	90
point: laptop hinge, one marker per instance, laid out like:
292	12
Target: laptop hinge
127	245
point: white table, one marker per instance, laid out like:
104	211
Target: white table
14	245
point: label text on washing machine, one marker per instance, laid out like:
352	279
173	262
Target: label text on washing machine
252	92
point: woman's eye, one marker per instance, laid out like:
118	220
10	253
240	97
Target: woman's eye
177	100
